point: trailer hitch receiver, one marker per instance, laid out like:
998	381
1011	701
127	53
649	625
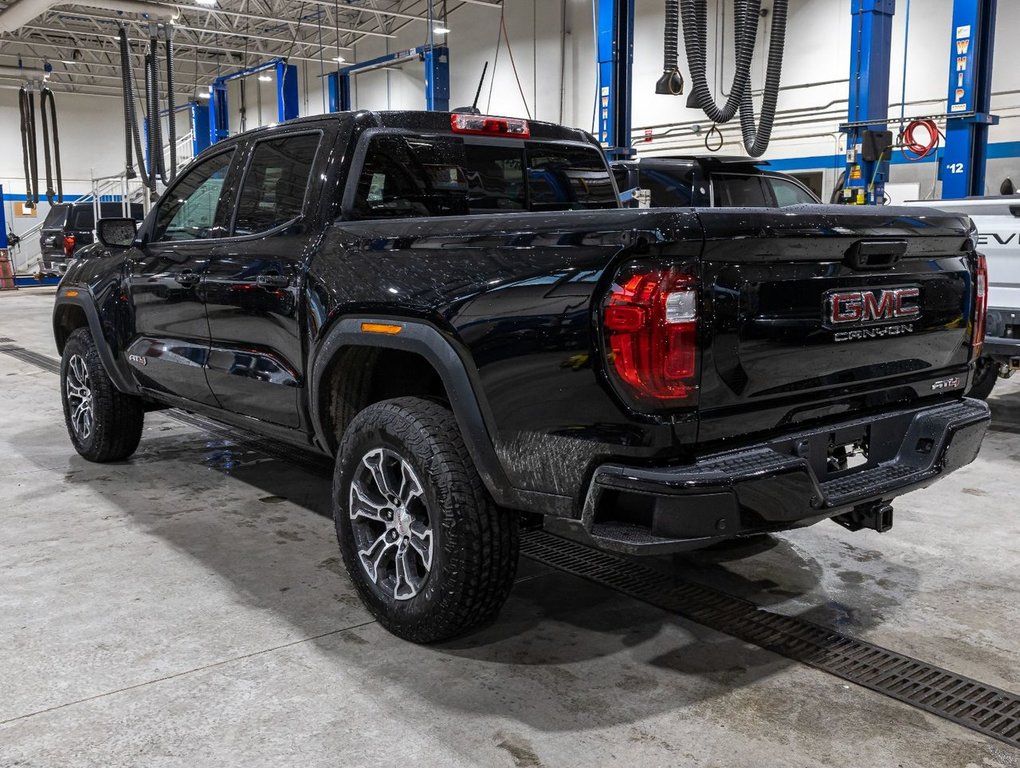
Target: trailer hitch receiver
875	517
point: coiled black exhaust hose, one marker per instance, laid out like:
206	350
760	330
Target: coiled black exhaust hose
131	132
671	83
26	106
172	115
694	14
46	96
756	138
150	171
155	122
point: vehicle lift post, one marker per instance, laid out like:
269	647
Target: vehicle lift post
867	156
614	31
286	95
199	118
970	94
437	77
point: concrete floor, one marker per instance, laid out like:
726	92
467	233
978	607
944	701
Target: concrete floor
187	608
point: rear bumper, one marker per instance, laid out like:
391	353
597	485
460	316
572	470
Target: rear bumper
781	483
1001	349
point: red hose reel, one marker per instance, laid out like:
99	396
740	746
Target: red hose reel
915	149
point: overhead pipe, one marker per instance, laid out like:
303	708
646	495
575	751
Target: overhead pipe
22	12
26	73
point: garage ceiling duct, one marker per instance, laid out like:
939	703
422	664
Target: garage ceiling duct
22	12
24	73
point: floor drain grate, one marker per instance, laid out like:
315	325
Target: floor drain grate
5	340
33	358
988	710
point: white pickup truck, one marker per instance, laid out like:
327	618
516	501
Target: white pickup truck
998	223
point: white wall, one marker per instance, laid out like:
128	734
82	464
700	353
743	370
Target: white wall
552	37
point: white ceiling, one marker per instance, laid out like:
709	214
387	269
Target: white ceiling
81	42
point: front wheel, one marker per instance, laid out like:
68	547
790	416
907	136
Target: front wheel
429	552
103	423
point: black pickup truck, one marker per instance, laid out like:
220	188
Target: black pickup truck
457	309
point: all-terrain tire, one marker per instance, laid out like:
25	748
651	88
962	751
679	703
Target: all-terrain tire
104	424
416	444
985	375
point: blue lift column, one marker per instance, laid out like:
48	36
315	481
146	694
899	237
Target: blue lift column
970	97
870	54
615	34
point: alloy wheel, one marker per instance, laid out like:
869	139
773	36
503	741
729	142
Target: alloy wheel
391	524
79	397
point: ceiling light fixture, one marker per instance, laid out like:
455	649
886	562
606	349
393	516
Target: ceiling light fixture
205	94
339	59
265	78
439	29
206	2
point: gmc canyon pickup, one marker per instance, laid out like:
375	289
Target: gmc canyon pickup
457	309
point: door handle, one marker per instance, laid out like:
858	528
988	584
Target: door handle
187	277
272	280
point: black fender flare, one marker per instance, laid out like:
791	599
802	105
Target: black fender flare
454	370
116	369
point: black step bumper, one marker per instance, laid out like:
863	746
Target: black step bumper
779	484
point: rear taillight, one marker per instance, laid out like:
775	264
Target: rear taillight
980	306
650	321
68	245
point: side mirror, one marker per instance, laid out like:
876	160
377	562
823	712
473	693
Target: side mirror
117	233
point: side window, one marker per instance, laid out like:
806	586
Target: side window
788	193
738	191
190	208
669	190
275	184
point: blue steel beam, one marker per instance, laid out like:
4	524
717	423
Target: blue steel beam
614	32
970	95
870	54
437	77
286	95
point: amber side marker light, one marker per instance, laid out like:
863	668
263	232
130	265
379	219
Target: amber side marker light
390	330
72	294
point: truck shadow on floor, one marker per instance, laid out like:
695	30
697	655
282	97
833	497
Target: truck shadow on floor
264	526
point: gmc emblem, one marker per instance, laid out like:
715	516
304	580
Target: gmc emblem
872	306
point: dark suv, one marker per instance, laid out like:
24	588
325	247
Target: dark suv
69	226
712	182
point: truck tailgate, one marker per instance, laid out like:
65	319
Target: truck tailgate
806	318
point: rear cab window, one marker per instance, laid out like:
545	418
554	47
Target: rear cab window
56	217
417	176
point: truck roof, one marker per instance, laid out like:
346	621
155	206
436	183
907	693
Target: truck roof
418	120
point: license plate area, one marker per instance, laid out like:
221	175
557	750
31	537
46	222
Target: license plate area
846	454
839	452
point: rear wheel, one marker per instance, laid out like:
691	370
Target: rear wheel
986	373
429	552
103	423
